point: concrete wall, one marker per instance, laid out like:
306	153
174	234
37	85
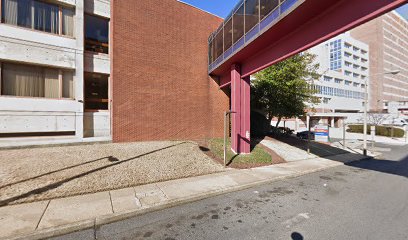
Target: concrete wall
161	87
97	124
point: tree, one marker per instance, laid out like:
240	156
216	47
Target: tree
282	90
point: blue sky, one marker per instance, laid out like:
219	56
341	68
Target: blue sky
223	7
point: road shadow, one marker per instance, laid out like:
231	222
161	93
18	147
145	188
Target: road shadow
399	168
318	149
56	171
114	161
388	166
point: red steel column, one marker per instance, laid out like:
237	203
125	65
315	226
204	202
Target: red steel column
235	107
245	139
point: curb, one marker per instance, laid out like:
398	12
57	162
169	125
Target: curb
116	217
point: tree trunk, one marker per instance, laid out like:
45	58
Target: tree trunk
279	120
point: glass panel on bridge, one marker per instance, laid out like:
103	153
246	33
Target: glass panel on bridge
249	18
228	34
267	6
218	46
238	28
251	14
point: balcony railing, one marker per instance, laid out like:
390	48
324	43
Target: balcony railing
248	20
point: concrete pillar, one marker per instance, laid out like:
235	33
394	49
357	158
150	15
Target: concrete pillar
332	122
308	122
235	107
79	68
245	140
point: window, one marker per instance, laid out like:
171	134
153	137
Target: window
228	34
327	79
348	73
335	54
251	14
68	22
267	6
34	81
238	24
96	92
97	34
347	83
218	46
337	80
38	15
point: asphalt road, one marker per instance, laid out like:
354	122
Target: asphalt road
366	200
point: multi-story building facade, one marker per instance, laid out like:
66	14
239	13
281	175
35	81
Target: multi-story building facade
55	68
344	65
107	69
387	37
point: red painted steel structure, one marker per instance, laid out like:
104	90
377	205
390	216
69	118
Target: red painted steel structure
313	22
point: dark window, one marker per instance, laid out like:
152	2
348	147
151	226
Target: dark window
96	34
96	91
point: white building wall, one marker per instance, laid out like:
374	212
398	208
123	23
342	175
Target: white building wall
358	68
22	45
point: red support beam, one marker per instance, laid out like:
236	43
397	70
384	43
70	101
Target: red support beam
245	140
235	107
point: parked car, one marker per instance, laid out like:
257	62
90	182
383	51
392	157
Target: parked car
304	135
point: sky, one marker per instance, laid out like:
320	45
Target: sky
222	8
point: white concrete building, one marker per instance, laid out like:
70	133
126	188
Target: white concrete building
55	68
344	65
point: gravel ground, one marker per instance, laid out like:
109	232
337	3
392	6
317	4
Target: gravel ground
45	173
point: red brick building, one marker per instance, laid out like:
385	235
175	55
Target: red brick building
160	84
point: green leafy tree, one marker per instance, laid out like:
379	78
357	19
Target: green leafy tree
283	90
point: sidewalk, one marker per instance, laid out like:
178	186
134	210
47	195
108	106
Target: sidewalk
56	217
338	134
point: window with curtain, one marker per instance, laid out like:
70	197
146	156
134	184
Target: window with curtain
68	22
34	81
38	15
67	84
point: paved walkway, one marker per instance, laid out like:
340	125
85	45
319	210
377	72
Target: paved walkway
59	216
338	133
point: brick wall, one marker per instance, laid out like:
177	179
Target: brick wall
160	86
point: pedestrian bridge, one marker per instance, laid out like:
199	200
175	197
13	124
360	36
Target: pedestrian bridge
260	33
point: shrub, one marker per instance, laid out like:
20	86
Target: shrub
379	130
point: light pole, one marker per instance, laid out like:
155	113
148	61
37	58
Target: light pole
395	72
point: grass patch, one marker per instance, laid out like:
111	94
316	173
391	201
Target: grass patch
258	155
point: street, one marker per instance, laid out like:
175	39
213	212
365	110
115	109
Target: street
365	200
